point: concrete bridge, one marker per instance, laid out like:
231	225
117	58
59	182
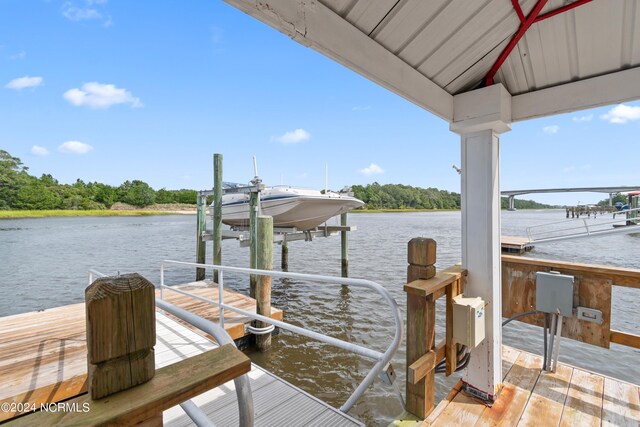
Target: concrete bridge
611	190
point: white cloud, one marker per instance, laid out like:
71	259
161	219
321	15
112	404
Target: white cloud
372	169
19	56
99	95
586	118
24	82
361	108
37	150
293	137
86	11
75	147
551	129
74	13
569	169
621	114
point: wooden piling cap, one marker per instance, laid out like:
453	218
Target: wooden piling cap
421	251
120	316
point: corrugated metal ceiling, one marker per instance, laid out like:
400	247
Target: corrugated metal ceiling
454	43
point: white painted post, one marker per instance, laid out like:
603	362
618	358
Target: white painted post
479	117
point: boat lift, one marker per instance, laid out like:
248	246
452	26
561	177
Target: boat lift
281	235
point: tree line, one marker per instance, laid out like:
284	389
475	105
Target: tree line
19	190
398	196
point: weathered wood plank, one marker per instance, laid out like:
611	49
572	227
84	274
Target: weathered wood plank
433	416
421	367
451	349
519	295
621	404
591	292
170	385
623	338
548	397
461	411
583	406
520	380
626	277
436	283
509	357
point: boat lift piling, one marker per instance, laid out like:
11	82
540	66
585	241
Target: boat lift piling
281	235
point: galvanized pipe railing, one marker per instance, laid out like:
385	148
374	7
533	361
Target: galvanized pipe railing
381	358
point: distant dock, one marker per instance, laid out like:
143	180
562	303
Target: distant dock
515	245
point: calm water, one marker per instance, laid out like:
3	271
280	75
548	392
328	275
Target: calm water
44	263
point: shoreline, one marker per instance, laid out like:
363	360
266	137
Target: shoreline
82	213
13	214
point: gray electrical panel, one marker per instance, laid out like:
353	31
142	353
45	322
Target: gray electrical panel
554	292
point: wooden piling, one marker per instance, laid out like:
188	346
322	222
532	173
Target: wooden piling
421	319
284	259
217	212
121	333
263	283
254	200
201	247
344	246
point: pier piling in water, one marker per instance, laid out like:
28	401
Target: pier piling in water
284	259
264	261
344	246
217	212
201	223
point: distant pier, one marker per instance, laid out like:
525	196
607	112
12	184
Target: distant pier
588	210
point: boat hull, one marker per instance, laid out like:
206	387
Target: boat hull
300	211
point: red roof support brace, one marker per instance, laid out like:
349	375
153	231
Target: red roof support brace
533	17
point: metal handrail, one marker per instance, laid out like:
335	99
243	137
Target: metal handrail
382	359
576	229
243	386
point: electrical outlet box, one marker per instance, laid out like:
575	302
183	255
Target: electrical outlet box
554	293
468	321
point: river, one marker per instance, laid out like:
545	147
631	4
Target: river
44	263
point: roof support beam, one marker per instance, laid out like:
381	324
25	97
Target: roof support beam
312	24
595	92
533	17
524	26
561	9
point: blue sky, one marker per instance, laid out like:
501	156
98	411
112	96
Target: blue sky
112	90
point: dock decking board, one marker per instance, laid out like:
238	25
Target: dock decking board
43	354
569	397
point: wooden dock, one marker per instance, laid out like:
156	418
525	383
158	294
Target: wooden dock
530	397
515	244
43	355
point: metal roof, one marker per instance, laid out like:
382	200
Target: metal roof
453	44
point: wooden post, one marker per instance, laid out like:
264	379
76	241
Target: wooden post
253	242
217	213
284	260
121	333
344	246
263	284
201	247
421	319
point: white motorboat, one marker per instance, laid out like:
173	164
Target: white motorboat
300	208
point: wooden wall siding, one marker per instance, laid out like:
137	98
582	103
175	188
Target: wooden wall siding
591	290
